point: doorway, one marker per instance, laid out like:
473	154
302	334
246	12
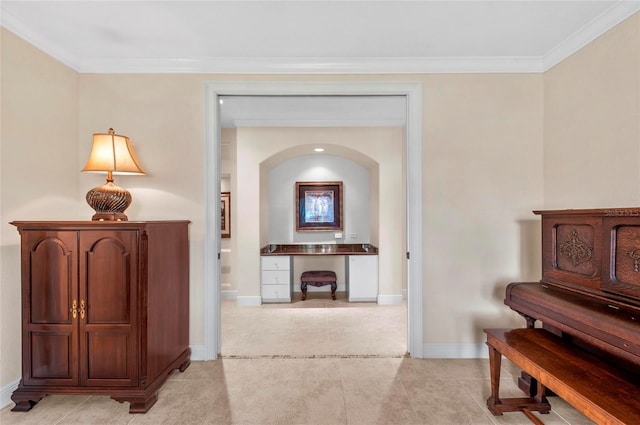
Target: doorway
413	94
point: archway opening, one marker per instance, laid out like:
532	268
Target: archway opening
411	92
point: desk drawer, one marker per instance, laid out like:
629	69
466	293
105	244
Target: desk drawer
276	262
276	293
273	277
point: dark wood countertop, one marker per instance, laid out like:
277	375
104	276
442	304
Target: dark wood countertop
320	249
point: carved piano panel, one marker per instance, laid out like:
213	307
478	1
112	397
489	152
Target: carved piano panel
574	249
571	250
623	263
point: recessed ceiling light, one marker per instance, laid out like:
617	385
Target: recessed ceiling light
319	149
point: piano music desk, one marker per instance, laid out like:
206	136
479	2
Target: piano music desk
601	391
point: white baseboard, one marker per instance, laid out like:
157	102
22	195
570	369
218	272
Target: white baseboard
248	300
228	294
5	394
198	353
390	299
382	299
456	351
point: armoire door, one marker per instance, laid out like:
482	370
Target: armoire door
108	286
50	308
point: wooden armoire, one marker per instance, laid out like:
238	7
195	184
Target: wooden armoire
105	309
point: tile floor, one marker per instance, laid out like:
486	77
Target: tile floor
312	362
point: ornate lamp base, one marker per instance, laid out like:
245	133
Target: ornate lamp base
109	201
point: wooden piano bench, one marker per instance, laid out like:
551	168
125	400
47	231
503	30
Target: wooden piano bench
601	391
318	278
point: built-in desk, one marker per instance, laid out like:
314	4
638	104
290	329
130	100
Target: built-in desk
320	249
361	269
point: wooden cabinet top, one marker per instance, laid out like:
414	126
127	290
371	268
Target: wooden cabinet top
90	225
594	212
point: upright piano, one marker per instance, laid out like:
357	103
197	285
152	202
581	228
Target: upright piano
589	294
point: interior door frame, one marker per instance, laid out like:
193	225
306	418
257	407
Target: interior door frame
412	91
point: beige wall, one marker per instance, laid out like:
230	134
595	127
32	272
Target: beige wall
39	169
163	115
482	156
482	167
592	124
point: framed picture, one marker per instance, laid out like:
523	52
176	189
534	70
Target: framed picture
225	214
318	206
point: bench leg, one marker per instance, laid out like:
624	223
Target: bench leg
303	288
541	395
495	362
526	405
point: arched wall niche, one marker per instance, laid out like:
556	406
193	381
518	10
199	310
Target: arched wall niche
259	148
359	174
335	163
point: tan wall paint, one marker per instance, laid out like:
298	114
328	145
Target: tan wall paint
592	123
164	117
39	169
482	164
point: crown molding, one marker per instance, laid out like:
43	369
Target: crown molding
384	65
311	65
603	23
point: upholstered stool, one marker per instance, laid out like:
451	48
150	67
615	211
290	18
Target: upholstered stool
318	278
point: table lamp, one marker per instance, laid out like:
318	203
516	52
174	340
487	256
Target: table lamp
112	154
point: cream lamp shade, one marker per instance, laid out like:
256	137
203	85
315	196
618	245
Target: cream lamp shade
112	154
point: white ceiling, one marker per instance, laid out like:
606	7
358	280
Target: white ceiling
311	36
306	36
